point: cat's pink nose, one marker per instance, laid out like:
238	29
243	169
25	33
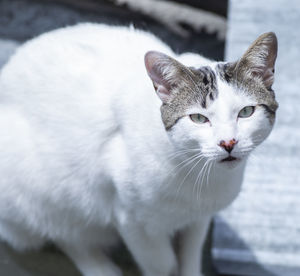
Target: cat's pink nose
228	145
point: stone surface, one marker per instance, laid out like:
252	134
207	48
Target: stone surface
260	233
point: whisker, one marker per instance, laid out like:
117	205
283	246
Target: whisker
188	173
183	164
197	179
191	158
200	183
181	152
207	172
210	169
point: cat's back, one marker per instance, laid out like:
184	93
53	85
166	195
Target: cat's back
78	76
78	57
80	65
84	67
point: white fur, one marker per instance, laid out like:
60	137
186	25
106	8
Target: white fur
85	156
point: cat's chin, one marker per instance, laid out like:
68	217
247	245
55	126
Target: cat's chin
230	162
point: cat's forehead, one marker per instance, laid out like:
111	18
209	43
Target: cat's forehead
252	87
211	85
204	89
205	86
221	95
230	100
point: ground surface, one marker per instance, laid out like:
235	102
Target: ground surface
260	234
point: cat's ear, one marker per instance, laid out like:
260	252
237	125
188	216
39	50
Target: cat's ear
163	71
260	58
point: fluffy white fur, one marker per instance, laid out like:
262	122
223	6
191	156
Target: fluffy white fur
85	157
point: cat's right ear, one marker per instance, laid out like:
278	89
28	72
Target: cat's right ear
259	59
162	70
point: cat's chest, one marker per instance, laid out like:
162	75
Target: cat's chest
158	194
165	215
186	200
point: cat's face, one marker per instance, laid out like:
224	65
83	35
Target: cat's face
224	110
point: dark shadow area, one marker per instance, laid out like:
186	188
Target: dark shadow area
23	19
231	240
46	262
50	261
215	6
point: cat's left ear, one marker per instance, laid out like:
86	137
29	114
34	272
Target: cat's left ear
164	72
260	58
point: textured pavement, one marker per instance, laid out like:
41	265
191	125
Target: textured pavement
259	235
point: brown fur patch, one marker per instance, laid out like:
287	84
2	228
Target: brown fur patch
196	86
253	73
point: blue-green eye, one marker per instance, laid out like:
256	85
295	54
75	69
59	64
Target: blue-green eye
246	112
198	118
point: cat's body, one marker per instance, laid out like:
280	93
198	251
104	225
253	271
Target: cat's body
86	156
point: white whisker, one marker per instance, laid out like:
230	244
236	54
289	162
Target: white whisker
200	183
188	173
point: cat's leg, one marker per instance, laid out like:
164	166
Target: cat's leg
153	253
191	246
90	260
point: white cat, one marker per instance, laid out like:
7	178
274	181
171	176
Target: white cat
89	152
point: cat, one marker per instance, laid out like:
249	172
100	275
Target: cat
107	134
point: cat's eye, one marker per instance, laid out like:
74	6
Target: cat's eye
198	118
246	112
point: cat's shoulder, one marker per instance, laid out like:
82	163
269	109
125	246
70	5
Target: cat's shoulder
94	39
88	39
99	35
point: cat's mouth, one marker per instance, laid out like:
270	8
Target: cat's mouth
229	159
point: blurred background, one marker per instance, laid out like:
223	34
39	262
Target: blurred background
187	25
259	234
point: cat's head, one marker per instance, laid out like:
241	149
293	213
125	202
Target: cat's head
225	110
